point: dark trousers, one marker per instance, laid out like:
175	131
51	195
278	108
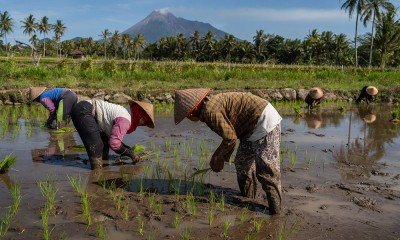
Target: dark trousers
95	141
69	100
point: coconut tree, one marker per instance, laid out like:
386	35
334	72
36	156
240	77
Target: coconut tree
387	38
44	27
125	38
59	30
105	34
260	40
29	27
374	10
359	7
195	44
115	41
6	26
138	43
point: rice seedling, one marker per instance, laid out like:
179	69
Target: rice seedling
159	208
258	224
76	184
49	191
6	163
101	232
177	220
168	144
297	110
248	237
151	200
212	199
78	146
187	234
125	211
64	130
227	224
86	208
15	192
140	226
243	215
152	145
45	222
16	130
222	202
283	233
119	199
5	223
211	213
191	203
138	148
395	115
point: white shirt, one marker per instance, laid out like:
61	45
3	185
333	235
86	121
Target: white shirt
266	123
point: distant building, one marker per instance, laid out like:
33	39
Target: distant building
77	54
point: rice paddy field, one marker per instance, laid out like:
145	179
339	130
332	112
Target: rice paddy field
340	169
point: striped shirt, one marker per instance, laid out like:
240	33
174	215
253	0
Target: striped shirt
232	116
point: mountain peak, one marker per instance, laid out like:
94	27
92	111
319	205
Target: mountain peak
161	23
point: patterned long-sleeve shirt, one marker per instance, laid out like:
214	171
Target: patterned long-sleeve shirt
232	116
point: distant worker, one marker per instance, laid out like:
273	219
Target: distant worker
103	125
314	97
245	117
367	93
59	102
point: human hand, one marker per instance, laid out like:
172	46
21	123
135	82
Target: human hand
217	164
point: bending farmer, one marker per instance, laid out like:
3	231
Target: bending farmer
314	97
252	120
103	125
367	93
59	102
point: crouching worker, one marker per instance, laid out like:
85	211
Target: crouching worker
367	93
314	97
59	102
103	125
245	117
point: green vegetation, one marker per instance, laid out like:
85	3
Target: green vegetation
175	75
6	163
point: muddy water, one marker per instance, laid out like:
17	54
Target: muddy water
340	178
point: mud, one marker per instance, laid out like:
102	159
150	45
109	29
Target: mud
340	178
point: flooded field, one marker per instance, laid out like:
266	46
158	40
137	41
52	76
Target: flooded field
340	178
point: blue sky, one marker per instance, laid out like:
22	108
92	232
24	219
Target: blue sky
241	18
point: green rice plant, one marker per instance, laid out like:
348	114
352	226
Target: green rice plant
16	130
138	148
168	144
243	215
191	203
293	160
49	191
29	130
187	234
283	233
5	223
258	224
227	224
64	130
152	145
79	146
45	222
248	237
101	232
212	199
177	220
151	200
159	208
297	110
125	210
211	213
119	199
140	226
6	163
15	192
86	208
222	203
76	184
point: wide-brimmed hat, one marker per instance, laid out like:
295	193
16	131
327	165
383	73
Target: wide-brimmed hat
316	93
186	101
370	118
35	92
147	107
371	90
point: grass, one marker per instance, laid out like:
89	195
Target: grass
6	163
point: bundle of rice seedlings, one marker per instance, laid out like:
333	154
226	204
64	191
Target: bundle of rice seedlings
6	163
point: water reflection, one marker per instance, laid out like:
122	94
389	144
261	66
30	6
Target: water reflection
375	133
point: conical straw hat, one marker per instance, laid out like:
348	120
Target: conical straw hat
371	90
147	107
370	118
35	92
316	93
186	101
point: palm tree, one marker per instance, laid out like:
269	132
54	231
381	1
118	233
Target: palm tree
387	38
260	40
358	6
6	26
44	27
373	10
59	30
138	43
195	43
115	41
125	38
105	34
29	26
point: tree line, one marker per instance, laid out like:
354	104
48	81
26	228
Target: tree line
378	48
